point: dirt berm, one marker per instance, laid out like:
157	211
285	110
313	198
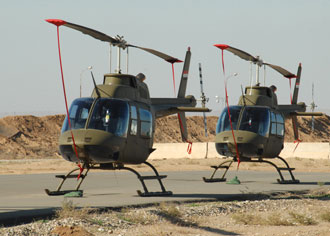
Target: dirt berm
37	137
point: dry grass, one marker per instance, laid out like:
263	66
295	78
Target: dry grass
69	209
274	219
302	219
170	210
325	216
136	216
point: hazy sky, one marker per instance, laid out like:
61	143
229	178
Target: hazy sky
281	32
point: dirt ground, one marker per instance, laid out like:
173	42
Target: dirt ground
31	137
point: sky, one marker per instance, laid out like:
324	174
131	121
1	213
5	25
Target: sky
281	32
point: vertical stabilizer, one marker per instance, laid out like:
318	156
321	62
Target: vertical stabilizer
296	87
184	76
182	94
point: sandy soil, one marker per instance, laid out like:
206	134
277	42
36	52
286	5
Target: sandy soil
32	137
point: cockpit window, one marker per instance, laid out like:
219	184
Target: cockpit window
111	115
224	123
146	123
256	120
78	113
277	124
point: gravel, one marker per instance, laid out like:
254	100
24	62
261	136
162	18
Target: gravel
196	217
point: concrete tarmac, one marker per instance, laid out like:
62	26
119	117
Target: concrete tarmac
22	197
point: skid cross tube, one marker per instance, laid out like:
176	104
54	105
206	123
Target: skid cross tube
58	191
221	166
146	192
260	160
113	166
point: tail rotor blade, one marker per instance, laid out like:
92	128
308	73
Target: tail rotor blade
295	127
183	126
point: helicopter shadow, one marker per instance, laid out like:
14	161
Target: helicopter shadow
176	220
222	197
320	183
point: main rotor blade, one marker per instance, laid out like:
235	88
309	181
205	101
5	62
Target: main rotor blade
106	38
91	32
255	60
164	56
284	72
238	52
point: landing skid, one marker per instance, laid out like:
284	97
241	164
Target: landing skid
226	166
113	166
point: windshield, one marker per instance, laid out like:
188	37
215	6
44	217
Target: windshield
78	113
256	120
223	122
111	115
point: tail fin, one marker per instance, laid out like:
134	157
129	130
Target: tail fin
184	76
296	87
182	94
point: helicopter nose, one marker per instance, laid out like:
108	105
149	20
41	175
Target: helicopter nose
249	144
93	146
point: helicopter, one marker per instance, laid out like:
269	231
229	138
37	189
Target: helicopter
115	126
253	130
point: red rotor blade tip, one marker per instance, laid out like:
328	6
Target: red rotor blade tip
56	22
290	76
174	61
221	46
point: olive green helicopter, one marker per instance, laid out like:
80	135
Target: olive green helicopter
253	130
116	125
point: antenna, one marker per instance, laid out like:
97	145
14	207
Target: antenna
96	88
204	100
313	106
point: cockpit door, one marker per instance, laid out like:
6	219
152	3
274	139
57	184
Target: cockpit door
276	135
140	133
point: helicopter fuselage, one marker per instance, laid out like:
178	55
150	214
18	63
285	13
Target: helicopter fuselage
258	125
117	123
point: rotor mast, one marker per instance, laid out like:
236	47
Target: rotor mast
258	63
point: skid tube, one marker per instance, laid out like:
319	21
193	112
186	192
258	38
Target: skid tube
112	166
259	160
